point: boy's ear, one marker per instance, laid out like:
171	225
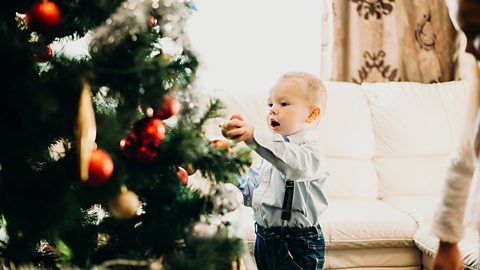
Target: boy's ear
314	114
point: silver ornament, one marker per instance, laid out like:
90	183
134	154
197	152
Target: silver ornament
226	198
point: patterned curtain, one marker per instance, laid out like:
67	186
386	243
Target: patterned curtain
393	40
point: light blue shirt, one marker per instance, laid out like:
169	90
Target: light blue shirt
301	160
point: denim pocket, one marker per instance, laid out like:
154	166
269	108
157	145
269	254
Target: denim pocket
315	245
285	258
315	251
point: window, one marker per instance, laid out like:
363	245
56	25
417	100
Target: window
245	45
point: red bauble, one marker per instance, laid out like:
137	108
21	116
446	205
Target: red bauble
44	17
222	144
144	154
152	21
182	176
128	145
100	168
141	145
132	149
170	107
149	132
45	55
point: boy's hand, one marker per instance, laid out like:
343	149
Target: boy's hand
224	125
237	129
448	257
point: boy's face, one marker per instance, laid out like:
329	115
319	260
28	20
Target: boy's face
288	110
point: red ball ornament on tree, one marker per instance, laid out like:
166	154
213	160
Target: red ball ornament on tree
131	149
44	17
152	22
100	168
170	107
222	144
128	145
182	176
149	132
144	154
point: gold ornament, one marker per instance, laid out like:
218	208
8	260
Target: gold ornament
125	205
85	131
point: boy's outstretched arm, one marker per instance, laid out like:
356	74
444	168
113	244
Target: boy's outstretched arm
295	162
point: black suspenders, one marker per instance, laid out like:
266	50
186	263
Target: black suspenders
287	199
287	203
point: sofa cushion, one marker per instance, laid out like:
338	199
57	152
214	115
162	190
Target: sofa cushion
400	258
357	223
428	244
420	208
416	127
347	111
358	181
416	119
415	175
346	128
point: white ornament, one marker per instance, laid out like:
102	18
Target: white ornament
226	198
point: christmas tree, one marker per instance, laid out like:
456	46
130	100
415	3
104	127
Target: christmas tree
95	151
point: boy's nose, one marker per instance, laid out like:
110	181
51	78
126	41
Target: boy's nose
273	111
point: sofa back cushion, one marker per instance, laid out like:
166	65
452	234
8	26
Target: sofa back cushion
345	131
416	127
346	127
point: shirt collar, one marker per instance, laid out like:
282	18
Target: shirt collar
302	136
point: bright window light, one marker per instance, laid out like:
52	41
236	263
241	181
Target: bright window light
245	45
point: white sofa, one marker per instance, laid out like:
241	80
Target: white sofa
387	147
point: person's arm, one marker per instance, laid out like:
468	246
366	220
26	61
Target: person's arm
448	222
448	257
302	162
295	162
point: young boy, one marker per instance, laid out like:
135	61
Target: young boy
292	163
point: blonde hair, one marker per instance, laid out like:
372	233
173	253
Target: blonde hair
315	92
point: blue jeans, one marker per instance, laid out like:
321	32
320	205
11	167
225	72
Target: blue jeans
290	248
